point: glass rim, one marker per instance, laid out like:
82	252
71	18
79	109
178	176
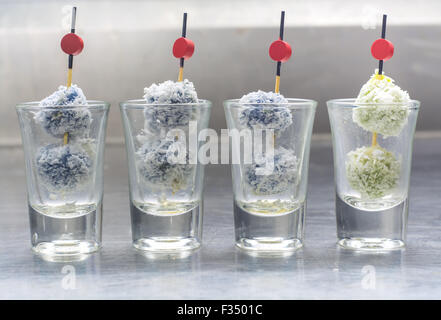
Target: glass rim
142	104
350	103
293	103
91	105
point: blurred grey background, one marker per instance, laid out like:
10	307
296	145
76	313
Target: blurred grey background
128	46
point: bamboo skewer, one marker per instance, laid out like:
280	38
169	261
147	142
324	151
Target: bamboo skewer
181	60
70	66
380	75
279	63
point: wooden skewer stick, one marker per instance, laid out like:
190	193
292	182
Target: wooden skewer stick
279	63
181	60
374	139
70	66
183	48
380	75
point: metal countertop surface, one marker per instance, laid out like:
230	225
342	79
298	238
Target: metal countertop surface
320	270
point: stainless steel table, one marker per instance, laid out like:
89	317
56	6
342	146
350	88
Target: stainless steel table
218	271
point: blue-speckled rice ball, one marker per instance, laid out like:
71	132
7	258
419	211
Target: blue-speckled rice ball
166	93
63	168
261	111
279	180
155	168
57	121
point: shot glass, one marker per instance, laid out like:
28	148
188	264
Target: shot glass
165	176
270	158
372	172
64	173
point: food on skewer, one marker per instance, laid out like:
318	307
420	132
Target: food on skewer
381	108
66	166
266	111
164	94
373	171
61	120
257	115
156	168
63	167
387	111
153	155
283	175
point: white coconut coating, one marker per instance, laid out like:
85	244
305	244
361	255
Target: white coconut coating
156	169
165	94
387	111
283	176
63	168
57	120
373	171
262	111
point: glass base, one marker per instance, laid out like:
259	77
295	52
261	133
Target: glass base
54	235
166	232
269	233
66	248
269	244
166	244
362	228
371	244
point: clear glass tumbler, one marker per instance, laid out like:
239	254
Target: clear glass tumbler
64	172
165	176
270	158
372	172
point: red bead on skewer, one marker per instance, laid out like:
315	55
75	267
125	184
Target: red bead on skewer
280	51
72	44
382	49
183	48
